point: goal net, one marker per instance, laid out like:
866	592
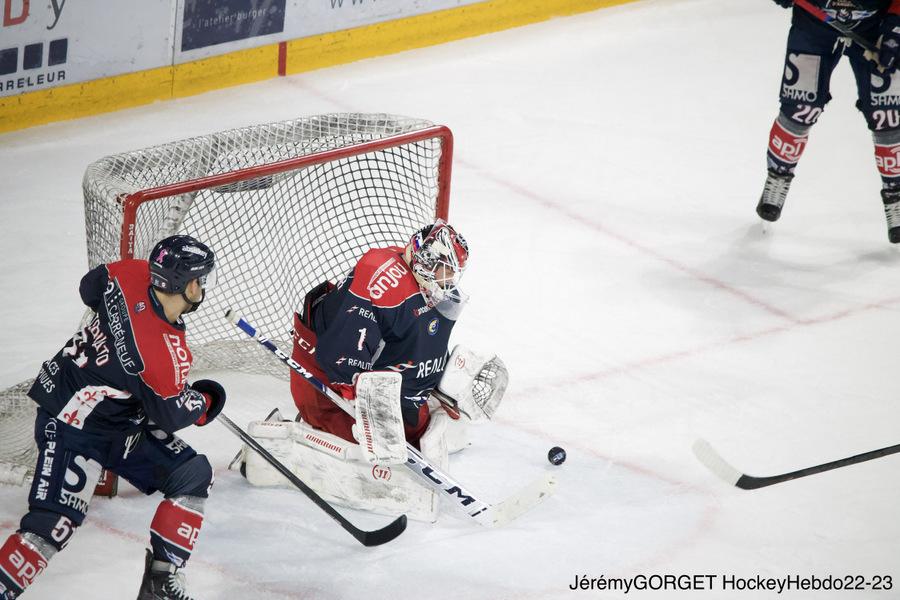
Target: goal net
284	206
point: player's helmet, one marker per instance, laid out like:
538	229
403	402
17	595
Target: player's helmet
437	255
179	259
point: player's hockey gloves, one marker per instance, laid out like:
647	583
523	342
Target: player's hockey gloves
889	42
784	3
214	394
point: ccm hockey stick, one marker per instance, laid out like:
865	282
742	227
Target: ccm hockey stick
713	461
869	49
489	515
366	538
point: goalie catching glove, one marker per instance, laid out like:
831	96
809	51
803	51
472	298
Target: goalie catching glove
214	396
473	383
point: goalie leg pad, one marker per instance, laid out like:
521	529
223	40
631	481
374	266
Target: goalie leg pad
282	439
456	431
337	470
457	435
433	442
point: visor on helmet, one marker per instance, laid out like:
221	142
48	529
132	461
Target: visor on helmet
209	281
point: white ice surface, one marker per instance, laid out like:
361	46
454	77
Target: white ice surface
606	172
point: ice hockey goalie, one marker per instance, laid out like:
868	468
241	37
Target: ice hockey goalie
380	337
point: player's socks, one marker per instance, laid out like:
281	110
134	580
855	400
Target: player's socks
22	558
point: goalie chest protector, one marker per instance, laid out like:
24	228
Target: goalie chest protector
378	319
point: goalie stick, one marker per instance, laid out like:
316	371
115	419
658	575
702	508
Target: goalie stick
366	538
713	461
489	515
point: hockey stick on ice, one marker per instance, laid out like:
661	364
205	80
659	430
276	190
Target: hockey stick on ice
366	538
713	461
484	513
870	52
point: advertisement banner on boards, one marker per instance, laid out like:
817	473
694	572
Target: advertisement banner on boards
48	43
57	42
212	27
213	22
313	17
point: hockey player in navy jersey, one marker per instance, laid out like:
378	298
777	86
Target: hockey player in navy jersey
814	49
395	312
380	337
112	398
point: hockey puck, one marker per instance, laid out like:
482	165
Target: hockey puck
557	455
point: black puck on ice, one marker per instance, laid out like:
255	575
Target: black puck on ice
557	455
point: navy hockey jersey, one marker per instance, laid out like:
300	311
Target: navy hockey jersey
129	364
854	11
377	319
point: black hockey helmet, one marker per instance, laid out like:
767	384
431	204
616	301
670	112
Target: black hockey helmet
177	260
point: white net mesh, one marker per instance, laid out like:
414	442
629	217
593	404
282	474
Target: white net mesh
277	230
17	449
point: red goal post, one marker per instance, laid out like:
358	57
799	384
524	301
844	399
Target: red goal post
131	202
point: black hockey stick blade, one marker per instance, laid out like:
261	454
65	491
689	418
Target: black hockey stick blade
713	461
377	537
366	538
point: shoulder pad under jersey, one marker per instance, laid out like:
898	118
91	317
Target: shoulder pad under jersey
165	357
383	277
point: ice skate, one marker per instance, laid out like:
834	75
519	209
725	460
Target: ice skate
891	199
773	195
162	581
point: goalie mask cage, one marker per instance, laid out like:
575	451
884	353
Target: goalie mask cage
284	206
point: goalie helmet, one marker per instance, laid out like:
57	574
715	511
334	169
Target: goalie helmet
437	255
177	260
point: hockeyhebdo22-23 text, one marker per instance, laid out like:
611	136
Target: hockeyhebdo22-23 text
732	583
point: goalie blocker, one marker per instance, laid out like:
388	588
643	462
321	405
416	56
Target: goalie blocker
364	475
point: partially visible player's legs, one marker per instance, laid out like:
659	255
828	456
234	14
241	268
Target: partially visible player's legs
162	462
60	492
786	143
879	101
812	53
